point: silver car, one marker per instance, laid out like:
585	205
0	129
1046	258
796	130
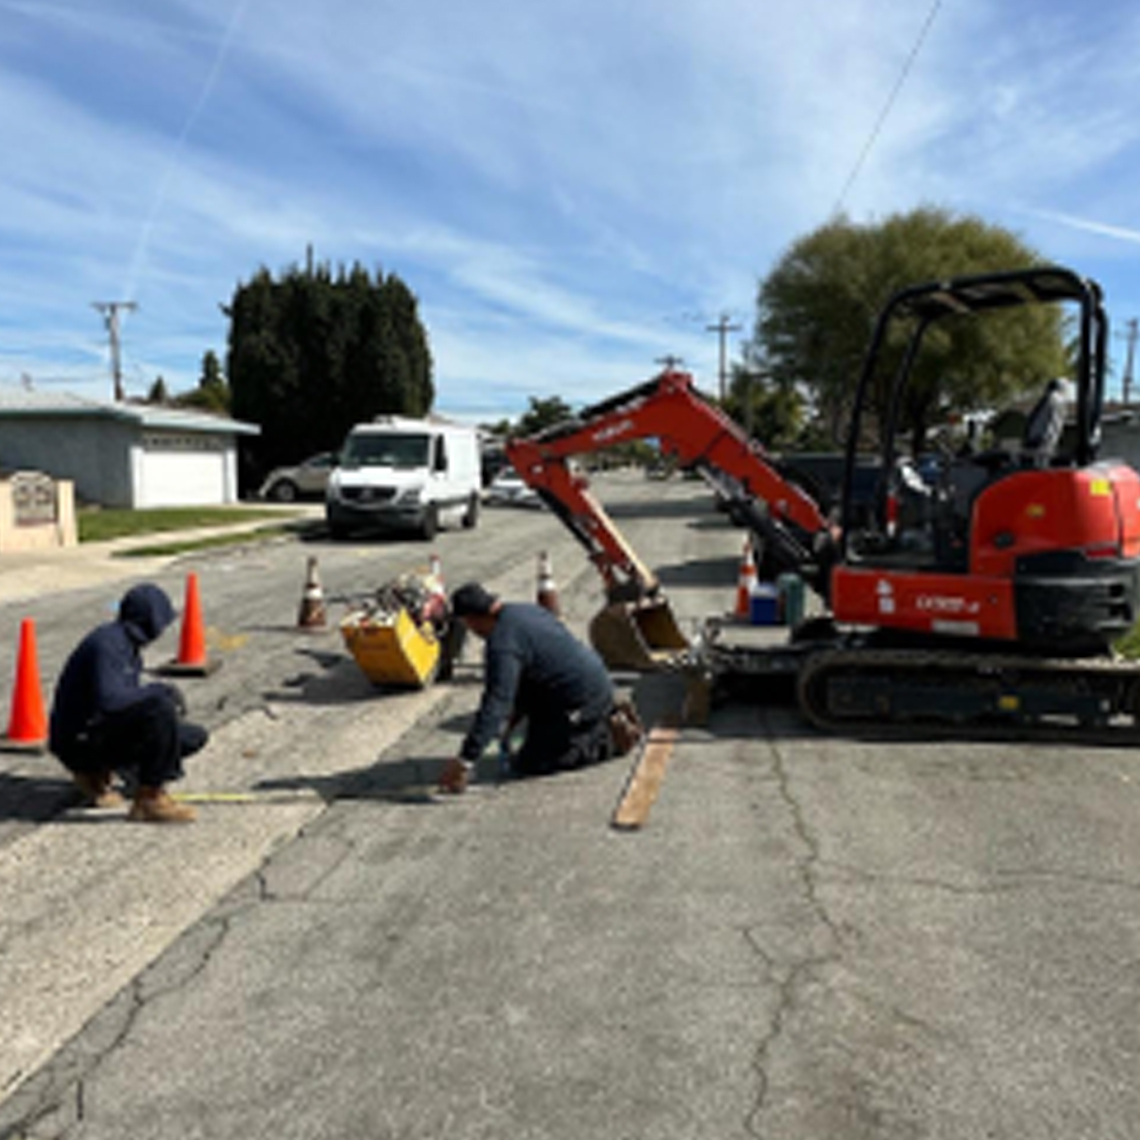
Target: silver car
307	480
508	489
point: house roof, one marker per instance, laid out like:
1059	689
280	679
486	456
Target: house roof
21	402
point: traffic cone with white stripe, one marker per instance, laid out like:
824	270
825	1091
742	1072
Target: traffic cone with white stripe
435	580
312	614
746	582
546	593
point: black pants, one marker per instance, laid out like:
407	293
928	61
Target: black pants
558	740
148	740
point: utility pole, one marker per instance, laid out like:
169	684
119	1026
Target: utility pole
724	328
669	361
110	311
1132	332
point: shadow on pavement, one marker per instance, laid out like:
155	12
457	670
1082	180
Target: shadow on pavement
410	781
650	509
34	799
702	572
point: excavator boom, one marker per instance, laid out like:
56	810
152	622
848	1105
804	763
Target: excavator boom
637	628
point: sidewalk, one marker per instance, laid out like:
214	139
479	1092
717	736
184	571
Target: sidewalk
31	573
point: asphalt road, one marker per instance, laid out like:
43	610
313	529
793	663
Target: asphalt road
811	936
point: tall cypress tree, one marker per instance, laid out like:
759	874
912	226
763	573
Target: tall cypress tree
312	353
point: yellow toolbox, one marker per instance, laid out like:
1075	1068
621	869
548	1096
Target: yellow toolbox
391	648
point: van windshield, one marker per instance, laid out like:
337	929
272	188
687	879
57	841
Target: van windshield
388	449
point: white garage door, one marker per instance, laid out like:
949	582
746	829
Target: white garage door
181	471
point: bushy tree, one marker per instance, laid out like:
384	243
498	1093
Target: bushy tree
816	311
543	413
773	414
312	353
212	393
157	394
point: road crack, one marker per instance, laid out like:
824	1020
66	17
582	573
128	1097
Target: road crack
791	978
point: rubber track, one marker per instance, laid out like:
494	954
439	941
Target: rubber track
952	668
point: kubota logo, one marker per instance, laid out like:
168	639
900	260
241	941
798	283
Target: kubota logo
610	432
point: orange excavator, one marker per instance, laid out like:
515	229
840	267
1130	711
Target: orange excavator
988	589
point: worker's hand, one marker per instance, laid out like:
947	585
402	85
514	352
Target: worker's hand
453	779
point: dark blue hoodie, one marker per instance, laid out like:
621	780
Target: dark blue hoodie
103	673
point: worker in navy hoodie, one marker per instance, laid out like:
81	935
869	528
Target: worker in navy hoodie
105	720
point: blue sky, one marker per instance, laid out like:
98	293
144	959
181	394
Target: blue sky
572	188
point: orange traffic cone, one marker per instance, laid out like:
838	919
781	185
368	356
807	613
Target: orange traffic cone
746	582
192	659
27	726
312	613
547	592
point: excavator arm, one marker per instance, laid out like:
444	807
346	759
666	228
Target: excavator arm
696	434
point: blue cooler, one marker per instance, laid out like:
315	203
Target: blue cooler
764	605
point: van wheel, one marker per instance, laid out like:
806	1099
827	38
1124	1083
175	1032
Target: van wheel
430	527
471	518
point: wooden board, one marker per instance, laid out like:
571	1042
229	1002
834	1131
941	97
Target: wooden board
645	779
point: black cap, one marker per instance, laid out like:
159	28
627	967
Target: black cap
471	600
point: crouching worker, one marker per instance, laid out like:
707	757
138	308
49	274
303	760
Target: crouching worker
104	720
534	668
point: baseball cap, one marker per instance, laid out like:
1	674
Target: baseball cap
472	600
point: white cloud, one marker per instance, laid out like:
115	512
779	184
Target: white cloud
557	182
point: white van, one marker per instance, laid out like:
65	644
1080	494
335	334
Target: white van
398	473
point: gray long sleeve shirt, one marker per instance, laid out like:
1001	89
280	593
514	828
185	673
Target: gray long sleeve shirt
532	652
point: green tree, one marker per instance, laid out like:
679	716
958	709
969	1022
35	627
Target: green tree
816	311
212	393
314	352
543	413
158	393
773	414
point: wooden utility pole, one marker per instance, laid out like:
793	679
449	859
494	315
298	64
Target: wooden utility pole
1132	331
724	328
110	311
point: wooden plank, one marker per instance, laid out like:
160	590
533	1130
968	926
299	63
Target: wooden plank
645	779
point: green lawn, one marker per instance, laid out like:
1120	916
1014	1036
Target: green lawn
1129	645
98	525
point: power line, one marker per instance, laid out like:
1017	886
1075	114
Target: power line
887	107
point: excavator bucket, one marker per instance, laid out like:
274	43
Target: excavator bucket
637	635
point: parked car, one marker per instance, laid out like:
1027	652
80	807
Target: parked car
508	489
307	479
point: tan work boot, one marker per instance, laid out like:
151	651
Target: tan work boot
154	805
96	790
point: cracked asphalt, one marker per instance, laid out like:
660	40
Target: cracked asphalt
812	937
